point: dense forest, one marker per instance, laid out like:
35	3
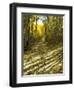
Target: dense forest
42	44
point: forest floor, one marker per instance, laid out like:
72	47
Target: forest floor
42	59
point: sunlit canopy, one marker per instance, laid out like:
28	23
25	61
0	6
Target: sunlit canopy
39	21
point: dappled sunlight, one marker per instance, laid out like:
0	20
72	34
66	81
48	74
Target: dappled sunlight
42	44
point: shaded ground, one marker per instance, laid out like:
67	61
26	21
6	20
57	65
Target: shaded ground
42	59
